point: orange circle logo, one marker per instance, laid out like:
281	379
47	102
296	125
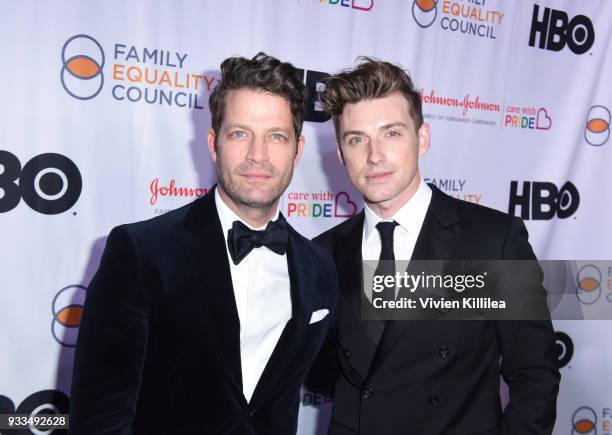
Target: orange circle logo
584	421
424	12
597	130
82	63
588	284
67	309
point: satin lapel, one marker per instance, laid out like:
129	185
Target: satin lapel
347	254
302	274
436	241
214	289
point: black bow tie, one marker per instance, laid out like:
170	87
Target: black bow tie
241	239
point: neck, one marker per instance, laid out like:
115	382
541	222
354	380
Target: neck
386	209
256	217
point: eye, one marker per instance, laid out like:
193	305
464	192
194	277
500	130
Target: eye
278	137
356	140
393	133
238	134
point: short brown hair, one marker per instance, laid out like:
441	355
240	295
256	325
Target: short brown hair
371	79
262	72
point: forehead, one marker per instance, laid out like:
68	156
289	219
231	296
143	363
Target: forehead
376	112
257	106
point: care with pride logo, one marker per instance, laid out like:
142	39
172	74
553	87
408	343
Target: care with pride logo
322	204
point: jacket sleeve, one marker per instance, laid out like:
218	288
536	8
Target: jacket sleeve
529	363
323	373
111	344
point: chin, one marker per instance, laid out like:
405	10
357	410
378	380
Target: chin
261	196
378	195
257	197
375	199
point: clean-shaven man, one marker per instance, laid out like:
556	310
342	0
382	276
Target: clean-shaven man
420	377
206	319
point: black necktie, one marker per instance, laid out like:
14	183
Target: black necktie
241	239
386	261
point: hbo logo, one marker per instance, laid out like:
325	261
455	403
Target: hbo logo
556	30
542	200
49	183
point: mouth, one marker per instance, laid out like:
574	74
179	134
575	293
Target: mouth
256	176
378	177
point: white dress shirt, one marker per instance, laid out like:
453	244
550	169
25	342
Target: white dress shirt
263	298
410	218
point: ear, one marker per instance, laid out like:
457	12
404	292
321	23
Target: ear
299	151
423	137
340	155
212	143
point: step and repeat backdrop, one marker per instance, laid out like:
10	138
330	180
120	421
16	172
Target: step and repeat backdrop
105	110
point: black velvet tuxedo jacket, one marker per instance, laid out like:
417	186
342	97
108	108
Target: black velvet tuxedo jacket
158	350
436	377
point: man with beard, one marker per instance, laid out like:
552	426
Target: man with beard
205	320
397	377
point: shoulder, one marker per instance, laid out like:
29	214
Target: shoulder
490	232
324	274
482	214
321	255
154	233
493	224
327	239
168	221
486	218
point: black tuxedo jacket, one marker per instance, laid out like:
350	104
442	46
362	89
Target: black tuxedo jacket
158	350
436	377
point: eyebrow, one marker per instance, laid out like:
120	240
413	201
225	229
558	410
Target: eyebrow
382	127
281	129
244	127
349	132
393	124
231	126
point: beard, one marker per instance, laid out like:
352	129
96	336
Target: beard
252	196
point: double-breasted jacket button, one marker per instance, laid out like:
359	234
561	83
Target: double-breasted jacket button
444	352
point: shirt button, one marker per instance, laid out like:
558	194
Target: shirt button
367	393
434	401
347	354
444	352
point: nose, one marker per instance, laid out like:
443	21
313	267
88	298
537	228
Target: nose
258	150
375	152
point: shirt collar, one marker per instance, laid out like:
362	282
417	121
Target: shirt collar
227	216
410	216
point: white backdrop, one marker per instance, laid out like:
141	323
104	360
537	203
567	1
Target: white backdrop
105	111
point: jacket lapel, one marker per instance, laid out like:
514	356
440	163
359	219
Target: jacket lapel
347	255
214	289
302	273
436	241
